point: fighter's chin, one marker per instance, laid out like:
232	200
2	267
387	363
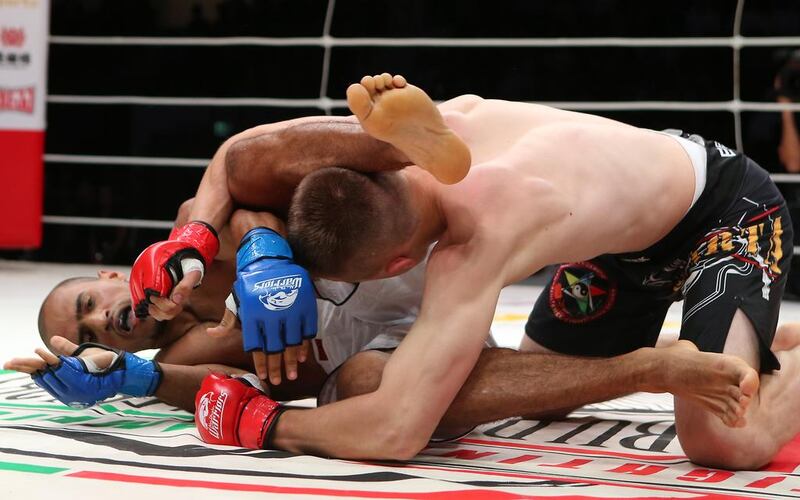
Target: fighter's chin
146	330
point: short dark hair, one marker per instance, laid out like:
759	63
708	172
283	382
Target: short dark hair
340	219
43	334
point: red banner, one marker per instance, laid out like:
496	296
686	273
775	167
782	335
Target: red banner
21	188
23	54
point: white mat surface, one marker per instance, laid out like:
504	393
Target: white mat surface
141	448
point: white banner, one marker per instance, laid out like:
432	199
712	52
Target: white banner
24	28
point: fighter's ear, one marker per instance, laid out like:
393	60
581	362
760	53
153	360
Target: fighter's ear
111	275
399	265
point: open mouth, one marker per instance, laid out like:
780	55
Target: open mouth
125	320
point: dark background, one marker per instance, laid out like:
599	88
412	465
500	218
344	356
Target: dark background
572	74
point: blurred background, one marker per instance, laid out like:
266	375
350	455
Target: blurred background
140	93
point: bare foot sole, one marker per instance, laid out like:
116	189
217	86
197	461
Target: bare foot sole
720	383
403	115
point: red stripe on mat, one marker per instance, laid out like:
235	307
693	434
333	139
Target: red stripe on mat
653	487
476	494
582	451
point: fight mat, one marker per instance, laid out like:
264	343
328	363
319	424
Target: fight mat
131	448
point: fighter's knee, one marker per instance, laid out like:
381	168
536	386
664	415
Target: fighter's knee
361	374
724	448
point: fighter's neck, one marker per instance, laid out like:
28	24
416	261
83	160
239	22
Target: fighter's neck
426	199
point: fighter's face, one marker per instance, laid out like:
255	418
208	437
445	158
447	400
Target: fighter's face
99	310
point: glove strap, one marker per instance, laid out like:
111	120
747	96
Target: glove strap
201	236
269	432
261	242
142	376
258	418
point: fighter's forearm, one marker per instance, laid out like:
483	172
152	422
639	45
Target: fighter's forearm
243	221
265	166
232	231
347	429
261	166
180	383
213	203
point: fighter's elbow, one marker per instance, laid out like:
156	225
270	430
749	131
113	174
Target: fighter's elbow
235	168
402	444
403	437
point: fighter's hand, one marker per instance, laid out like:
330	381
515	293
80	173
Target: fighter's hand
99	357
165	264
163	308
90	373
266	365
275	300
270	364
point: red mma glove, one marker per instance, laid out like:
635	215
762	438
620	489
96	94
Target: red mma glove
162	265
231	411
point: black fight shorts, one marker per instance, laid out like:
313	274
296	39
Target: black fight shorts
731	251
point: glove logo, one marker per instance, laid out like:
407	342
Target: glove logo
278	294
209	413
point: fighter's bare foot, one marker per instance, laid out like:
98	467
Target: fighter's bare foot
403	115
722	384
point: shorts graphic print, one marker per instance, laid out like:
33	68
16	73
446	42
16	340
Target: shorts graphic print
581	292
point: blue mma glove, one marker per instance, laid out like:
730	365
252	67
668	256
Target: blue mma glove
274	297
79	383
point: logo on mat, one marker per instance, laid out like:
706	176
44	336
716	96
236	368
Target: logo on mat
209	412
581	292
278	294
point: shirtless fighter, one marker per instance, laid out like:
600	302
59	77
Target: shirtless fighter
265	165
644	217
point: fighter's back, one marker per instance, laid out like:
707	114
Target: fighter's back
552	186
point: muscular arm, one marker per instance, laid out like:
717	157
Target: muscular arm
266	164
240	221
261	166
419	381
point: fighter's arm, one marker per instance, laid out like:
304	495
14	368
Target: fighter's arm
239	223
420	380
177	386
264	165
259	167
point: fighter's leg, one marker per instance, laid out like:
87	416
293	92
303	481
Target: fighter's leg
771	419
403	115
732	301
507	383
591	309
361	374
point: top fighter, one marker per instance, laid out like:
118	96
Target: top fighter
647	217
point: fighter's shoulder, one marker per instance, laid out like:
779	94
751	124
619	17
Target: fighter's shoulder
193	346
